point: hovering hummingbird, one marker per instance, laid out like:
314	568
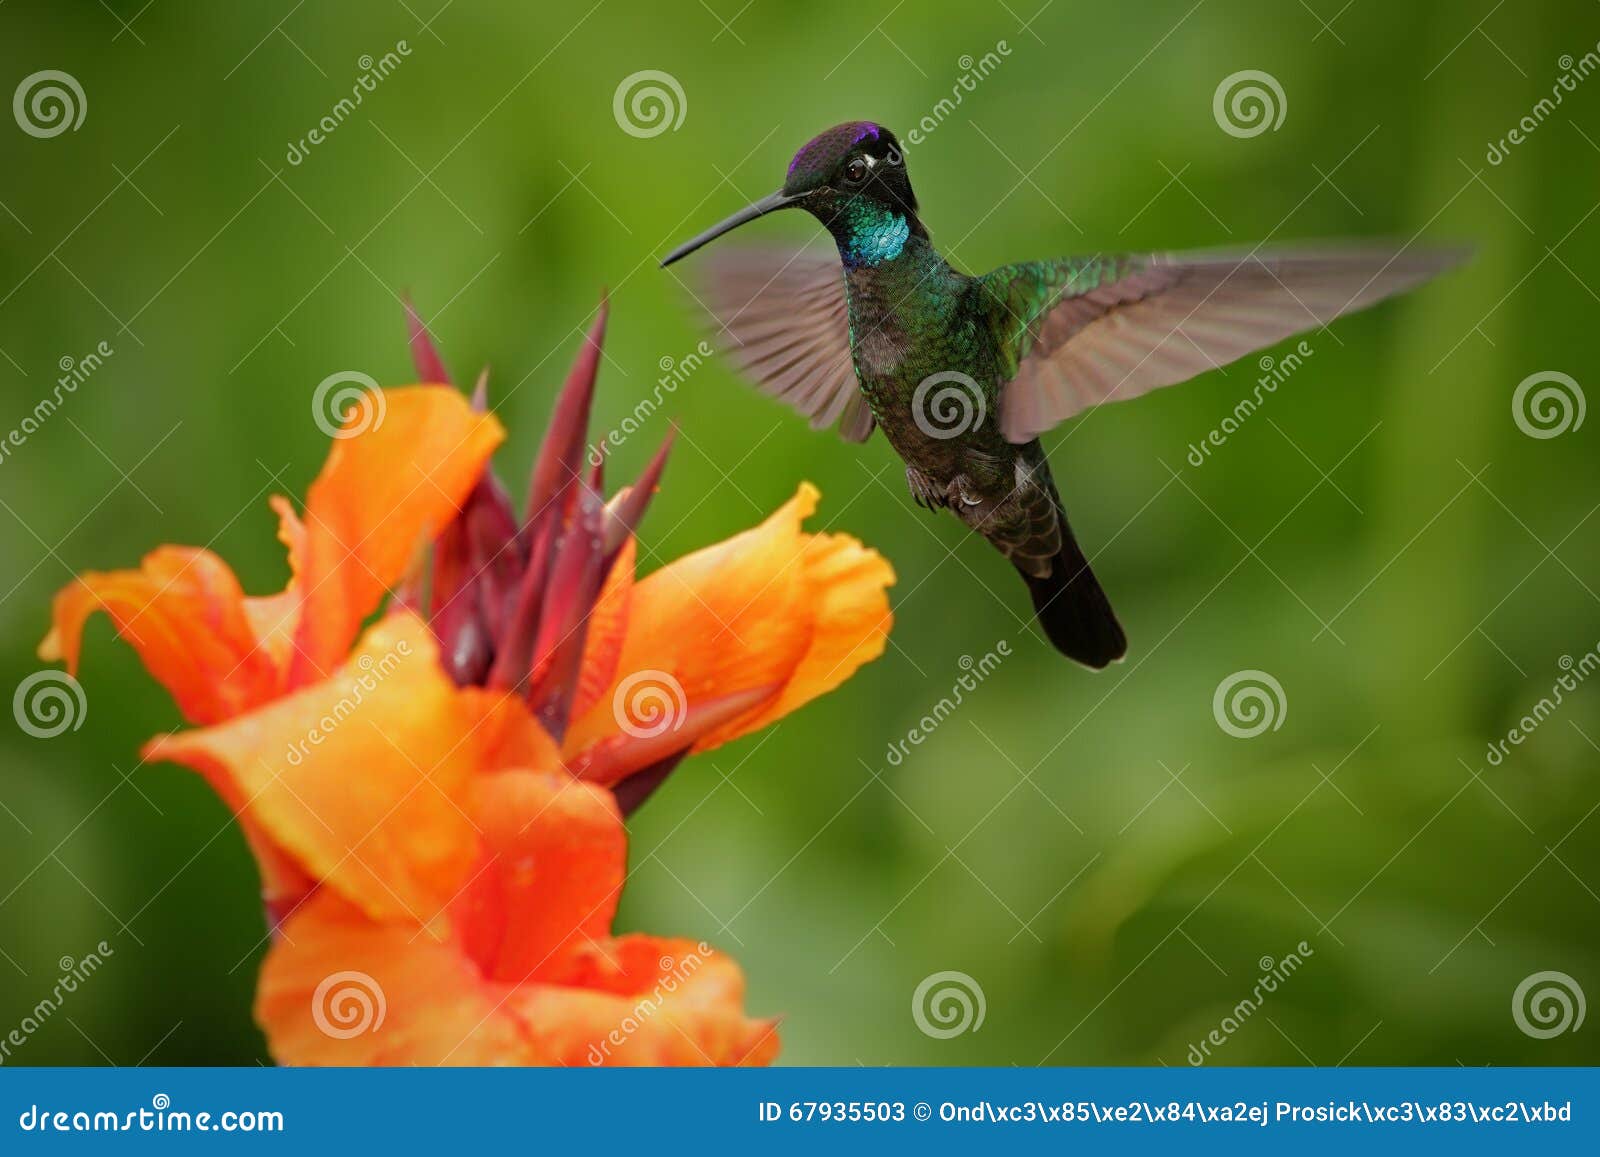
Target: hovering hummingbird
964	373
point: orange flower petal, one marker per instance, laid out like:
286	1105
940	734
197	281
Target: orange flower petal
275	617
284	883
554	855
522	971
339	989
382	494
607	629
774	614
185	614
504	733
672	729
850	610
641	1000
291	532
362	779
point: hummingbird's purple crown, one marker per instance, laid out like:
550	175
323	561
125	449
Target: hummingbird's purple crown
821	153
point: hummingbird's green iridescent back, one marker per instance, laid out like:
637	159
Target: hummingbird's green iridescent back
1024	292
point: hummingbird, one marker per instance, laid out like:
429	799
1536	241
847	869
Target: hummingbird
963	374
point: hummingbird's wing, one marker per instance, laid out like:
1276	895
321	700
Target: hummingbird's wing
1082	331
780	315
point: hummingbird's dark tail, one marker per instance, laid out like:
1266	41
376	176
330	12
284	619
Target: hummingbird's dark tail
1073	609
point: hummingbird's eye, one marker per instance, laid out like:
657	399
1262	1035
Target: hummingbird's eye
856	171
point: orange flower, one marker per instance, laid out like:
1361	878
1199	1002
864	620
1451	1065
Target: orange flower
224	655
470	922
429	810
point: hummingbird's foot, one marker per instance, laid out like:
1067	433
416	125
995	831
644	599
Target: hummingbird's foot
925	492
965	491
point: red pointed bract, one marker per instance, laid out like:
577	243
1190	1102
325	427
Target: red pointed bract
623	517
430	368
576	575
561	457
515	651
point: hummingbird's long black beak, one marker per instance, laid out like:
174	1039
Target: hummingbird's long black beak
761	208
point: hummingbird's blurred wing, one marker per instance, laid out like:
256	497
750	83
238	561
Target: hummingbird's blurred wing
1082	331
780	315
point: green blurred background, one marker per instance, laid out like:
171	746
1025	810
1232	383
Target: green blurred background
1099	857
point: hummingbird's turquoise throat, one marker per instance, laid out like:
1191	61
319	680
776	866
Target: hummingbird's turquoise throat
871	235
